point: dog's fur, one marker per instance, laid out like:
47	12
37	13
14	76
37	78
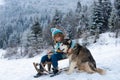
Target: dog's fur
80	58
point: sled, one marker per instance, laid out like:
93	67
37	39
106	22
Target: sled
38	70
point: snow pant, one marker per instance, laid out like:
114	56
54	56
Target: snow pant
54	59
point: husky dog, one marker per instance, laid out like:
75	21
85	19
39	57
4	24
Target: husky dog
80	58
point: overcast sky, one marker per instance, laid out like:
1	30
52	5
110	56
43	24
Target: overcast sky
1	2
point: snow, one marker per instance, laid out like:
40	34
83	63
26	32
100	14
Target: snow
106	53
2	52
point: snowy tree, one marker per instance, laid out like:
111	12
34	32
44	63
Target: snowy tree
13	43
48	36
35	39
97	17
57	18
117	18
98	20
101	13
4	37
25	42
76	22
112	20
70	23
79	7
56	22
83	23
14	40
107	8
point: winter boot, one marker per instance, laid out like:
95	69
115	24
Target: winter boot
40	71
37	75
55	70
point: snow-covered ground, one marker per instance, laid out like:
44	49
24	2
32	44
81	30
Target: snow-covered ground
106	53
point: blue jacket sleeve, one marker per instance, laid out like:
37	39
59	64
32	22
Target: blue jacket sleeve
73	44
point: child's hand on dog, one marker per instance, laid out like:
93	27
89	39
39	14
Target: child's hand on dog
70	51
49	51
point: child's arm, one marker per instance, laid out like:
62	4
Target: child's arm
49	51
72	46
53	50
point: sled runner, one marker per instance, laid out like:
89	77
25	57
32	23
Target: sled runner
38	70
47	72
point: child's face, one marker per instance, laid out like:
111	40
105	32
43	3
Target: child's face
59	37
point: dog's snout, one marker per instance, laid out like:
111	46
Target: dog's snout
63	49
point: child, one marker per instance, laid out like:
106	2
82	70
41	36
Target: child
57	55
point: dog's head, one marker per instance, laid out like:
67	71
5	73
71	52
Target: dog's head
66	43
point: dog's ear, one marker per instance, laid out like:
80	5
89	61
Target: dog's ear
66	41
69	41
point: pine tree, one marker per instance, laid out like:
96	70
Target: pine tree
79	7
97	17
70	23
97	22
57	18
35	39
112	20
83	21
101	14
107	8
117	18
14	40
13	44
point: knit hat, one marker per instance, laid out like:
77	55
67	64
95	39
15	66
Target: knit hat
55	31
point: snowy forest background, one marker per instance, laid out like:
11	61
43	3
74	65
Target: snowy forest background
25	24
